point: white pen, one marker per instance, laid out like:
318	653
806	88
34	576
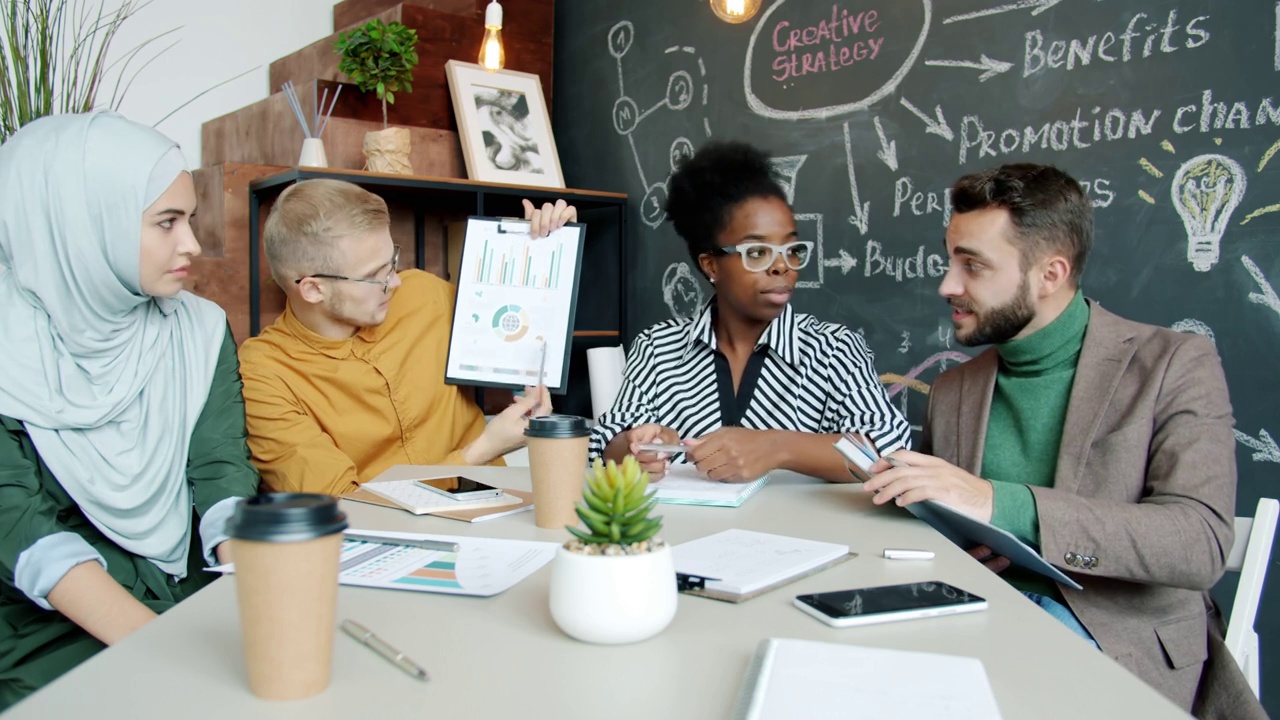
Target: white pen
898	554
366	637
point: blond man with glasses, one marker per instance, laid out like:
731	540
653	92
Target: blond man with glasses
349	380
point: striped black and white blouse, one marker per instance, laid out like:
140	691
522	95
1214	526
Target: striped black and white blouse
805	375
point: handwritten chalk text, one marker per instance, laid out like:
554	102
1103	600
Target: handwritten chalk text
846	39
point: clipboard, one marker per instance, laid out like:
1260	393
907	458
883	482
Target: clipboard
695	585
516	304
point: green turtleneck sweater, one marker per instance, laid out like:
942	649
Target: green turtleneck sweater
1024	429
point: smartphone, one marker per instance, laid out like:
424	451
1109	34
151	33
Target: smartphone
459	488
889	603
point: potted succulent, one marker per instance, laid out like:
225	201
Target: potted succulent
615	581
380	58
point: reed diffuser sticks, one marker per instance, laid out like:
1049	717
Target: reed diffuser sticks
320	120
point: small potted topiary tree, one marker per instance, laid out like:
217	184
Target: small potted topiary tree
615	582
380	58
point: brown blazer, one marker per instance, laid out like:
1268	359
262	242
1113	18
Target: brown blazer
1141	509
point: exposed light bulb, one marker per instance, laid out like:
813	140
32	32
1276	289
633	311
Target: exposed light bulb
735	11
492	56
1206	191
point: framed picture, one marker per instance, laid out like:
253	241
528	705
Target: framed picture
504	126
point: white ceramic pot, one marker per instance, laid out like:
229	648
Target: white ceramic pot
613	599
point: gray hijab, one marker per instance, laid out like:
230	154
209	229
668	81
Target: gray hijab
107	380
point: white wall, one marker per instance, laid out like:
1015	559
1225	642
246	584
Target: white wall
216	40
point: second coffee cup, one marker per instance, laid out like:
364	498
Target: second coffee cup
557	465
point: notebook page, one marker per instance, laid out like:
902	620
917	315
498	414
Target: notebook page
818	680
683	483
745	560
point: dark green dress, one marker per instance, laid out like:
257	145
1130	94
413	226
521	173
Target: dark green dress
38	645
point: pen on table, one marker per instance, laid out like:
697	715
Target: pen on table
366	637
896	554
441	545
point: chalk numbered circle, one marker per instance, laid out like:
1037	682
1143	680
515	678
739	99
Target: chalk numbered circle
679	90
625	115
680	150
620	37
653	209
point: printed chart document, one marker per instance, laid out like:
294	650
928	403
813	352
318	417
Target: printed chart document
817	680
481	567
684	485
746	563
517	296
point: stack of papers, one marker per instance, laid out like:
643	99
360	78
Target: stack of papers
745	563
817	680
684	485
481	566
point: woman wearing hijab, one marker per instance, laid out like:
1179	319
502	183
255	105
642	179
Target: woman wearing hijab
122	435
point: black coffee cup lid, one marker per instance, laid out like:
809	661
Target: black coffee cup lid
286	517
558	426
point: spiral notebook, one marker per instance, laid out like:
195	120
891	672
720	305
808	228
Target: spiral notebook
684	485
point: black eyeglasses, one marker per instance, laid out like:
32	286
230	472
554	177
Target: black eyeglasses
384	282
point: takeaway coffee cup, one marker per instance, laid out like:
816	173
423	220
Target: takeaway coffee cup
286	547
557	465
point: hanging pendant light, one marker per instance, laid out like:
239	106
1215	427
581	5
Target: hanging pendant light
735	11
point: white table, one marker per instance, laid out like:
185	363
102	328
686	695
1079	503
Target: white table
504	657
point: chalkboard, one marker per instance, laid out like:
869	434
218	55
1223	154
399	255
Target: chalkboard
1167	112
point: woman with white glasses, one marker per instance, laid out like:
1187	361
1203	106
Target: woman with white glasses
747	385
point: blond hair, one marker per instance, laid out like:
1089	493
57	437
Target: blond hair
307	221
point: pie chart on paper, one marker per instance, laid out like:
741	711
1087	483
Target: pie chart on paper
510	323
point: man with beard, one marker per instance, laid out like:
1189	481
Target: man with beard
350	379
1104	442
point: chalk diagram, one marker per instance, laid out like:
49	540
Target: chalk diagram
682	90
848	98
681	291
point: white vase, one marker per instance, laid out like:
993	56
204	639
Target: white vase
613	599
313	154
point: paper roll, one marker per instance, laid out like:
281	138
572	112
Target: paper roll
605	366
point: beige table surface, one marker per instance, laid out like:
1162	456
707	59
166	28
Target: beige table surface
504	657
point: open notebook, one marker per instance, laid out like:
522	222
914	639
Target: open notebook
736	565
684	485
818	680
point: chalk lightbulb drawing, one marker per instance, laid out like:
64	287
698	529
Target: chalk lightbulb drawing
1206	191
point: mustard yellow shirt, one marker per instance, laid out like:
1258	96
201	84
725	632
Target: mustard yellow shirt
325	415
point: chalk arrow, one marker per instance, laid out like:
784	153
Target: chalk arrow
845	262
888	150
1268	295
992	67
939	127
1267	451
1038	5
861	211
